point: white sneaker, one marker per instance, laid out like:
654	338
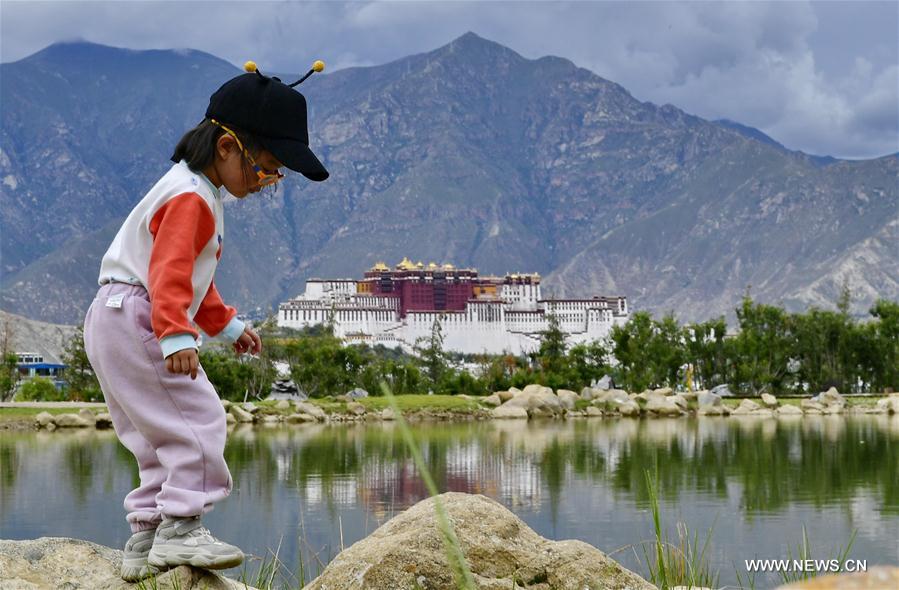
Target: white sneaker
185	541
134	557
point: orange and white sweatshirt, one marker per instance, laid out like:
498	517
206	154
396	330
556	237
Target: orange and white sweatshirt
170	244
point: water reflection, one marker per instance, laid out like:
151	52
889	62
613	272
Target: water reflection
568	479
821	460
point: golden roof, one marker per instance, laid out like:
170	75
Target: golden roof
448	267
380	266
432	266
406	264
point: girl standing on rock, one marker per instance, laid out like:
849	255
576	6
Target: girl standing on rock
156	285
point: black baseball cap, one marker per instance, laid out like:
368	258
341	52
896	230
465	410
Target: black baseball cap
274	113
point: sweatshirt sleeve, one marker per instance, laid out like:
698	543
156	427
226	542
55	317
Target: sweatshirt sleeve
216	318
180	229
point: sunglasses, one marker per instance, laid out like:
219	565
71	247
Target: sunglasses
265	178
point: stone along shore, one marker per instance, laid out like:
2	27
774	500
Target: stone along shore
534	401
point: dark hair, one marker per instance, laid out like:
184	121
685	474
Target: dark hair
197	146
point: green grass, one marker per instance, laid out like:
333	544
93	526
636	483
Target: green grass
804	552
684	562
411	403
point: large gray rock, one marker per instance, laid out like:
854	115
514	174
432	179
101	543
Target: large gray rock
788	410
567	398
240	414
707	398
504	396
887	405
408	552
492	400
88	415
53	562
72	421
747	406
534	388
769	400
507	411
604	383
831	397
299	418
629	408
615	396
810	406
357	393
588	393
661	406
355	408
538	401
723	390
310	409
43	419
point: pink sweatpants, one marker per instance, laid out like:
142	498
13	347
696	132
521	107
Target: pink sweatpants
174	426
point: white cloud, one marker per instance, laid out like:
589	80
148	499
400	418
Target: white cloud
817	77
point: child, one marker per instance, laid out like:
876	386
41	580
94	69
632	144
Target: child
156	283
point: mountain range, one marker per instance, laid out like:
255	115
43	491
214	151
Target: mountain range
469	154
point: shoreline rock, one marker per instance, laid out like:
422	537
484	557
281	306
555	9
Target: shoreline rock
59	562
408	552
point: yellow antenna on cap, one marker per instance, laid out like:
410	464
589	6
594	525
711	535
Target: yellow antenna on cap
317	66
250	66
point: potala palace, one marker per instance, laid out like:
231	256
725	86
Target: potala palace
489	314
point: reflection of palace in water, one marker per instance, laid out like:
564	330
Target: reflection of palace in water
384	484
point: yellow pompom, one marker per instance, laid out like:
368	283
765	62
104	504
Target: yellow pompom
250	66
318	66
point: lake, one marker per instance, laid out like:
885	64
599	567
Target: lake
310	489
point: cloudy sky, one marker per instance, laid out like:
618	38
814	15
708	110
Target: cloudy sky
821	77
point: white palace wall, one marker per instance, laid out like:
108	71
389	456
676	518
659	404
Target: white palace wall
511	324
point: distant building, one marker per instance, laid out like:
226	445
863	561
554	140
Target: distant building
31	364
397	307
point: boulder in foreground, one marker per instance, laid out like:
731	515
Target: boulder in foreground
407	552
56	562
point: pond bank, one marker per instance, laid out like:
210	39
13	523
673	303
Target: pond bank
534	401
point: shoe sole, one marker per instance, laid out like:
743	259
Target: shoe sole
134	570
171	559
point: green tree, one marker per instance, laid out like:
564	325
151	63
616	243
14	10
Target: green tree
588	362
81	382
9	375
322	365
761	350
39	389
432	357
883	355
707	352
551	355
630	344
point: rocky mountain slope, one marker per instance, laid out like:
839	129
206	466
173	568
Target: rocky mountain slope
468	154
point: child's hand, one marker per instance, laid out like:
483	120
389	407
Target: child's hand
249	342
184	361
